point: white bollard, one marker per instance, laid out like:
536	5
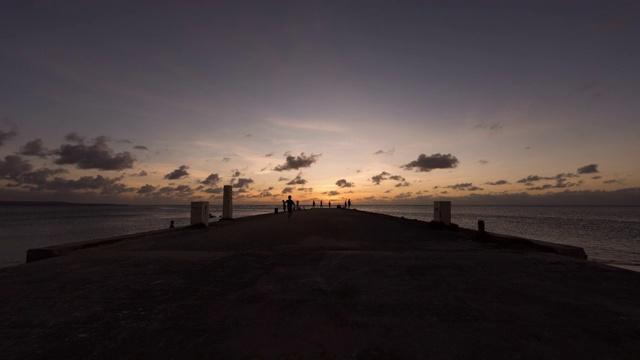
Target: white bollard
200	212
442	212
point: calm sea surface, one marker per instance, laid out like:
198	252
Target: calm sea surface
609	234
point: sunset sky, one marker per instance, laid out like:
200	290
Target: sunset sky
380	102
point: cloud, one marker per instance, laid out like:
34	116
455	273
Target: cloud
402	184
343	183
483	161
403	195
499	182
216	191
141	147
298	180
40	176
84	183
74	137
380	177
295	163
97	156
287	190
493	127
211	180
6	135
588	169
333	193
464	187
34	148
382	152
435	161
533	178
560	184
596	177
268	155
141	173
611	181
178	173
243	183
146	189
13	166
226	159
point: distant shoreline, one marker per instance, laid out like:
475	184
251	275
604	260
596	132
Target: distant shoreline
4	202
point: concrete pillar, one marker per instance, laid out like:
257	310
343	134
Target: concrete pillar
200	213
227	204
442	212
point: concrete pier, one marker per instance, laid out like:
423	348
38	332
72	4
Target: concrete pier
327	284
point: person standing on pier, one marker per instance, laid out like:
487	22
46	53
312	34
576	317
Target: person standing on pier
320	203
290	205
329	203
314	204
349	202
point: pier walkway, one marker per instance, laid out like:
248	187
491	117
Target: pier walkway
327	284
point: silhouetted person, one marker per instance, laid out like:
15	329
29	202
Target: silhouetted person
314	204
290	205
349	203
329	203
171	226
284	206
345	204
321	203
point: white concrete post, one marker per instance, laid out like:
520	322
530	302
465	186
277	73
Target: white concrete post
227	204
442	212
200	212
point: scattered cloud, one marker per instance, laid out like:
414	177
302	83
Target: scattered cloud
382	152
596	177
588	169
483	161
226	159
211	180
141	173
34	148
13	166
343	183
74	137
297	162
377	179
287	190
6	135
464	187
141	147
298	180
499	182
96	156
333	193
178	173
243	183
492	128
533	178
435	161
268	155
147	189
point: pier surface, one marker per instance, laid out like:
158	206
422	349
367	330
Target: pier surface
327	284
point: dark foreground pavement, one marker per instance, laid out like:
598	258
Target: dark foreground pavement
327	284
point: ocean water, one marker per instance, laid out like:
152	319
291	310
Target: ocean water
609	234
